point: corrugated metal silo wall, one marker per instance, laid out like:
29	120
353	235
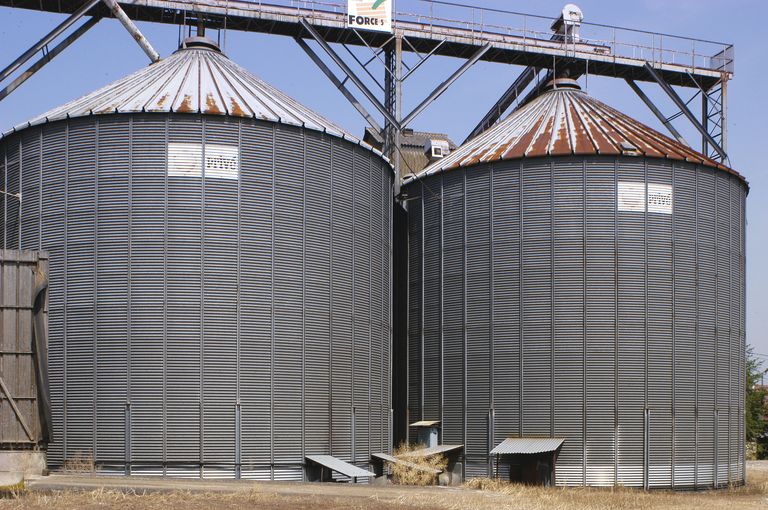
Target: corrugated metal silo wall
538	308
224	323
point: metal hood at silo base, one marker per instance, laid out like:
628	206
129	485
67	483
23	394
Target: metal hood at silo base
566	121
198	79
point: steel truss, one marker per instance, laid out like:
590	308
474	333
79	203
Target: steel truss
561	53
49	54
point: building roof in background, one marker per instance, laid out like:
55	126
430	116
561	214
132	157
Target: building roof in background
408	138
413	159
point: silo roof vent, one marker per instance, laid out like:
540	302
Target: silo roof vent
199	42
563	83
628	148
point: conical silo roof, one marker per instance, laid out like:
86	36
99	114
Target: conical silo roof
198	78
567	121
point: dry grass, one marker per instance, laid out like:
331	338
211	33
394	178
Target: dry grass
752	495
415	470
181	500
79	463
494	495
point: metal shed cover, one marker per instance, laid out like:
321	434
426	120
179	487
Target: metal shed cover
433	450
527	445
195	79
338	465
567	121
426	423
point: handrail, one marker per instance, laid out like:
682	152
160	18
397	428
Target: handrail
619	42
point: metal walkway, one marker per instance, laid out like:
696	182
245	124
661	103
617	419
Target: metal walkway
443	28
608	56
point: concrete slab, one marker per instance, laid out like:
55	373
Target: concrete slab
27	462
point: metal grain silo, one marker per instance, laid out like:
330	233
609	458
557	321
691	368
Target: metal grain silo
220	273
574	274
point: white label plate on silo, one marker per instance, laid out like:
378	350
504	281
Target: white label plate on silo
660	198
185	159
221	161
631	196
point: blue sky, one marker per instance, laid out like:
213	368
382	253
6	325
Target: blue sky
107	52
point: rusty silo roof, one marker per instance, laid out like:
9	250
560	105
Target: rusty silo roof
198	78
568	121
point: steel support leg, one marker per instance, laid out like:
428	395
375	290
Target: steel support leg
132	29
704	123
42	43
339	85
647	100
48	57
724	115
393	80
666	87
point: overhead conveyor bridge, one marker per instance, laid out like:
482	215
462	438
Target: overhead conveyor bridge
470	33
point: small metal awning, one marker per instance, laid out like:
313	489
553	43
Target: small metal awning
433	450
394	460
527	445
426	423
338	465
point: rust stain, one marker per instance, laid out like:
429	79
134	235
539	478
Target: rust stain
562	144
161	102
582	140
186	104
602	143
519	148
540	143
210	104
236	109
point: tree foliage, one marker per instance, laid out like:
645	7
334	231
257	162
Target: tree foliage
756	408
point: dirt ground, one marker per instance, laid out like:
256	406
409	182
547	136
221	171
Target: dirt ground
91	493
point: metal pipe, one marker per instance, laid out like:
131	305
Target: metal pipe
447	83
40	346
647	100
48	57
132	29
47	39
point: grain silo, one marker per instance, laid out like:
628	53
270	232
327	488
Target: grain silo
220	273
576	298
